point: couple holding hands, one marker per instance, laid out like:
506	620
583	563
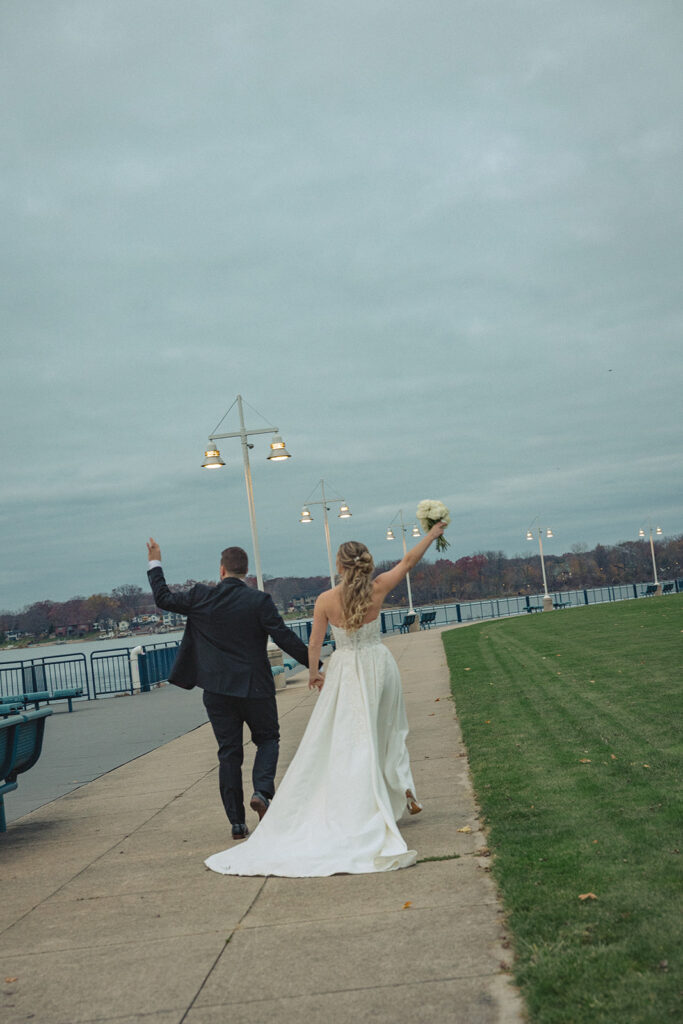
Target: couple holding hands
349	782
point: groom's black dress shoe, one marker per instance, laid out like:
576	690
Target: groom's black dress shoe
240	831
260	804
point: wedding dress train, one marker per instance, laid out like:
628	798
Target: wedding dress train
337	805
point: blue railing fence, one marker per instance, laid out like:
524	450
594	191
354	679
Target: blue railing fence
155	664
110	672
501	607
53	672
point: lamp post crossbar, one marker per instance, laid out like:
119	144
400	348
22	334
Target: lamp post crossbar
326	508
244	434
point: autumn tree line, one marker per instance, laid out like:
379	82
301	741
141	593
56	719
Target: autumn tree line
493	574
472	577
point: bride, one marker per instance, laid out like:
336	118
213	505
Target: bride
336	808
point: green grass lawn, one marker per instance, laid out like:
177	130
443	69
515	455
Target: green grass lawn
572	722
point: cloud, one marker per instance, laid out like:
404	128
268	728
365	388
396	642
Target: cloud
436	244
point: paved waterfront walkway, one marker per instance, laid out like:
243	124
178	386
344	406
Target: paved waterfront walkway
108	914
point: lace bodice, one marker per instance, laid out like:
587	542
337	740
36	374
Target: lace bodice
367	636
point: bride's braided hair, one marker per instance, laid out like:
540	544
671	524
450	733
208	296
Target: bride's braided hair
356	564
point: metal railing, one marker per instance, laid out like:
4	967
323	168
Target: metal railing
110	672
53	672
156	664
501	607
302	629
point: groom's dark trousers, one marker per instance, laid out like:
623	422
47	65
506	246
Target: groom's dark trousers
224	651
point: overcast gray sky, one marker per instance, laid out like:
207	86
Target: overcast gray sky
437	244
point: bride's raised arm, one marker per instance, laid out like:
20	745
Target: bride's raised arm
386	581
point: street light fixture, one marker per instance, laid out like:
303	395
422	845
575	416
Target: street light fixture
344	513
213	460
278	452
658	531
414	533
547	599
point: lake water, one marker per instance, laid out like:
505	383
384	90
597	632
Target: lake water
87	647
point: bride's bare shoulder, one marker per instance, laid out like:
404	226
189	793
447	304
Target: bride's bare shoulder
330	603
329	598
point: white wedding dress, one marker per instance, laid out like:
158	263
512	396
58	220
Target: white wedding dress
337	805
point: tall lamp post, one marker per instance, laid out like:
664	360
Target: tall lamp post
344	513
547	599
213	460
658	531
414	532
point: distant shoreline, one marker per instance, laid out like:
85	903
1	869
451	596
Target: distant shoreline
89	638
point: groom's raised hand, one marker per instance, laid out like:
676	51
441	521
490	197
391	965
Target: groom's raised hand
153	550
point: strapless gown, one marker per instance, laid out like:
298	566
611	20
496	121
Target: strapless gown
336	809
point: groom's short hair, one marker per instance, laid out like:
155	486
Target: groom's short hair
235	560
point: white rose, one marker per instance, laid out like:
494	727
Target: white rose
441	512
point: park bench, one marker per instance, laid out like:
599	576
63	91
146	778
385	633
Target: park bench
651	590
668	588
67	693
561	604
35	687
408	620
10	707
426	620
32	697
36	697
534	608
21	741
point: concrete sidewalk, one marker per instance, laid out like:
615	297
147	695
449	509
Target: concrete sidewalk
108	913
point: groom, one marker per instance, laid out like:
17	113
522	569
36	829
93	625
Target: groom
224	651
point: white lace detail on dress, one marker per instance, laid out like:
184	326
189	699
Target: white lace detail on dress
367	636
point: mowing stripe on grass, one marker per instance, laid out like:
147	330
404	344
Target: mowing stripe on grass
572	726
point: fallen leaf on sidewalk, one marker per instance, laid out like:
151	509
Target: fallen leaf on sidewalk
588	896
10	980
465	828
407	904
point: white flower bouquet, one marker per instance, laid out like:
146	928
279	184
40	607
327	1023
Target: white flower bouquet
430	512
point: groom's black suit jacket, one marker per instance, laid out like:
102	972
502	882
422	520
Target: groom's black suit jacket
225	644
